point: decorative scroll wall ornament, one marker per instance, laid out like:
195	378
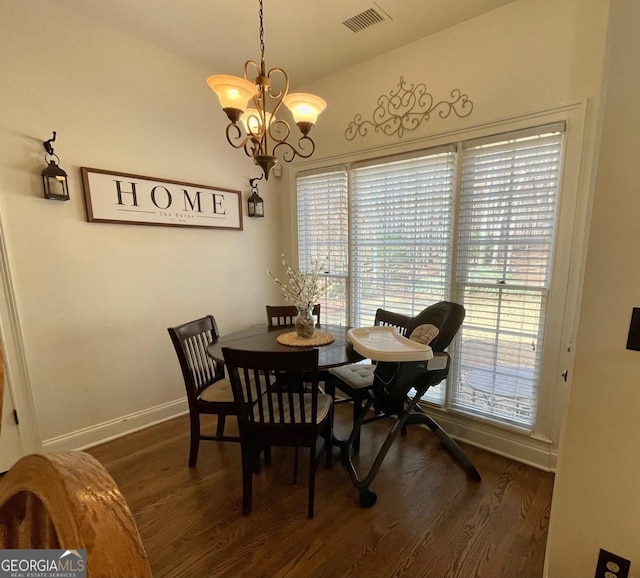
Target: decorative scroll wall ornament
406	108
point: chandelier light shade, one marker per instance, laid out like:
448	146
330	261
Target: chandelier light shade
305	109
257	129
233	92
251	120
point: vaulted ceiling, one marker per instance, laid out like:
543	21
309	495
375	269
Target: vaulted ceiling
309	39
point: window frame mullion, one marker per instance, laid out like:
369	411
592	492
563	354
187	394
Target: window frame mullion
350	300
454	288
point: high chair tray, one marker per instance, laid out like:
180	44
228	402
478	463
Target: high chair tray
386	344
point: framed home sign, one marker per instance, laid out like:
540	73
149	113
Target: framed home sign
136	200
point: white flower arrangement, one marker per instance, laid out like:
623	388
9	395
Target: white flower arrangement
302	289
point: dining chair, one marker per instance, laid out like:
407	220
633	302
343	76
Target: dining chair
285	315
208	392
291	413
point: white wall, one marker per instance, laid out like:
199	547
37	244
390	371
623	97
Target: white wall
596	503
94	299
520	58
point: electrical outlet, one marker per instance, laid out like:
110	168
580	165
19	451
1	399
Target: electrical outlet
612	566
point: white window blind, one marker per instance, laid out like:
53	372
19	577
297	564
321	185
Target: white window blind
507	219
323	234
473	223
401	228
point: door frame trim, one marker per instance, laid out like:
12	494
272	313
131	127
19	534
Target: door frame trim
16	370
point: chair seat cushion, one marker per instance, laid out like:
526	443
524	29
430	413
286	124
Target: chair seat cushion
324	406
220	391
356	375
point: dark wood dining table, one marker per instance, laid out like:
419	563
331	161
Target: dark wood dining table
261	338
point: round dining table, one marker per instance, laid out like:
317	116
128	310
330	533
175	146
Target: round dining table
263	338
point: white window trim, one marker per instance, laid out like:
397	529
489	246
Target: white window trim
540	447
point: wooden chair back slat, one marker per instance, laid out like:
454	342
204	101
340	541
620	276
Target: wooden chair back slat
201	372
390	318
190	340
285	315
279	404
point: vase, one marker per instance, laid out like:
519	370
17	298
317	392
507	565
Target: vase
305	324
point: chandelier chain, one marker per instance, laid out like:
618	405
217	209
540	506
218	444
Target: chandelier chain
261	34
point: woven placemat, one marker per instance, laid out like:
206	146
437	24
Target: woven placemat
318	338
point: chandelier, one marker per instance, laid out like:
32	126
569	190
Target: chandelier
257	130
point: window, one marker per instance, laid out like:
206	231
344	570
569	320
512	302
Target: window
507	220
323	233
472	223
401	234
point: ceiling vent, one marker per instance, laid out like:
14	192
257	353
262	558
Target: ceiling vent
364	20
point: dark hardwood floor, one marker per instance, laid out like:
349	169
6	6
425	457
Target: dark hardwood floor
430	519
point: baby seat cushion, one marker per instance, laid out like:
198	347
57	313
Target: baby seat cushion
424	333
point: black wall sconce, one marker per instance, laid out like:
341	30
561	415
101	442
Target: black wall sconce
54	178
256	204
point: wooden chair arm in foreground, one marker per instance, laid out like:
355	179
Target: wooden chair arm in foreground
68	500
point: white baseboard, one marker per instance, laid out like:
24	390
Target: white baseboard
513	445
516	446
109	430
